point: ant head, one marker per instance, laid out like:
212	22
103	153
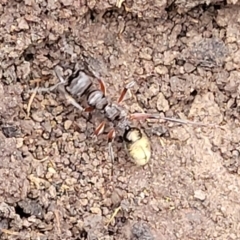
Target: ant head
132	134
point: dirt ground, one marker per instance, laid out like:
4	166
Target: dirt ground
56	178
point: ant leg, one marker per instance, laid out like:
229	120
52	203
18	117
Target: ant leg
124	91
89	109
59	76
144	116
50	89
102	86
99	128
62	90
111	137
69	98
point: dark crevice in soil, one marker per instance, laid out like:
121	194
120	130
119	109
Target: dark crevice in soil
21	213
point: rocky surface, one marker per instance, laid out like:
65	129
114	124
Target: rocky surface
56	178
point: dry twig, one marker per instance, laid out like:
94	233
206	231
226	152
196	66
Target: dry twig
32	98
113	215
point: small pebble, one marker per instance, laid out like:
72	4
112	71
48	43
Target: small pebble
70	181
52	191
19	143
37	116
22	24
67	124
95	210
189	67
200	195
84	202
161	70
51	170
162	103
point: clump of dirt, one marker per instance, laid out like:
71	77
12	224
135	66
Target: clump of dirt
57	180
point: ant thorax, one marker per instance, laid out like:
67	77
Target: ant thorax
114	113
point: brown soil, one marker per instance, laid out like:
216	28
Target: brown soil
56	178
